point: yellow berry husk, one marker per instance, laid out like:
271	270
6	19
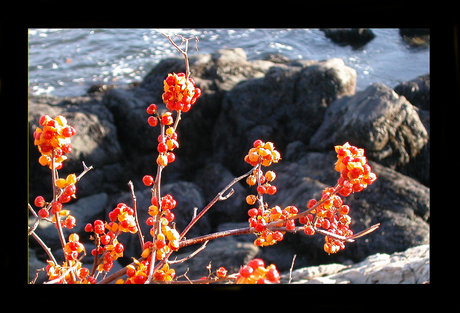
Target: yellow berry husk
43	160
60	183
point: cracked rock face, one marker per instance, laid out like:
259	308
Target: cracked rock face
409	267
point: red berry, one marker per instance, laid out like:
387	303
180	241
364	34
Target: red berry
273	275
99	229
43	213
153	121
69	131
119	248
260	227
257	143
255	263
246	271
70	190
171	157
167	119
88	228
253	212
311	203
152	108
70	222
278	236
198	92
67	148
105	239
130	272
162	147
39	201
147	180
344	209
108	266
326	224
261	189
170	217
56	206
272	190
170	80
150	221
221	272
358	187
160	243
290	225
309	230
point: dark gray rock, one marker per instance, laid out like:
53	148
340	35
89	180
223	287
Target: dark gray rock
416	91
356	37
376	119
287	104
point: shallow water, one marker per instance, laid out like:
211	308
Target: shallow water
65	62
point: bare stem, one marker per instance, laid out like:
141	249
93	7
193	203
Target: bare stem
218	197
55	196
139	230
44	246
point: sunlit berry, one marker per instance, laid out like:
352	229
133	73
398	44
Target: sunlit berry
43	213
272	190
153	121
56	206
221	272
147	180
152	108
246	271
39	201
309	230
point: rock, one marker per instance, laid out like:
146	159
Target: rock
399	203
356	37
287	104
416	37
226	252
409	267
416	91
212	179
96	144
376	119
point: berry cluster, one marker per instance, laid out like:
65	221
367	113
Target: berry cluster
53	138
71	271
107	243
168	238
180	93
262	153
265	154
332	216
167	142
255	272
355	173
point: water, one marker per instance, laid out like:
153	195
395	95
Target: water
65	62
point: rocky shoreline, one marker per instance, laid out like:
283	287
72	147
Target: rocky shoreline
305	107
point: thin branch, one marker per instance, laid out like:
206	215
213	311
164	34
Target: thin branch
44	246
191	255
221	234
54	177
139	230
219	197
86	169
292	267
